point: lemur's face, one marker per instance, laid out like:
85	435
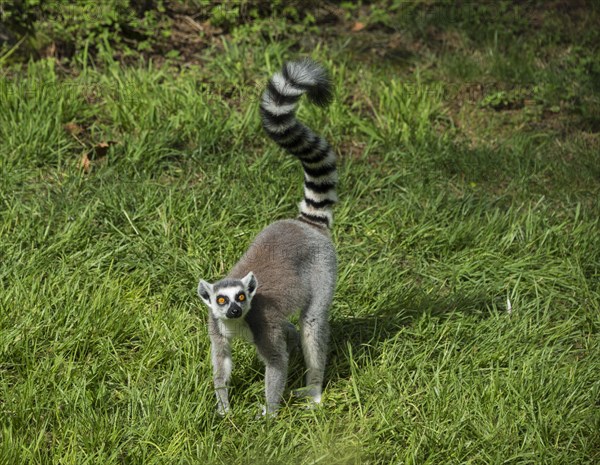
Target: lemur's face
229	298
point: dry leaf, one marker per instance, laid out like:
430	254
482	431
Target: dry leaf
85	163
73	128
358	26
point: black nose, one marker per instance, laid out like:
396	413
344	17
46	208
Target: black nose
234	311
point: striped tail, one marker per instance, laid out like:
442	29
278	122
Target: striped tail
278	110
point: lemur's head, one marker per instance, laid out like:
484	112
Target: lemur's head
228	298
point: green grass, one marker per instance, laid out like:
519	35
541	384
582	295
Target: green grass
450	209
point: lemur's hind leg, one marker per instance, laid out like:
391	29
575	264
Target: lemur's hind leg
315	339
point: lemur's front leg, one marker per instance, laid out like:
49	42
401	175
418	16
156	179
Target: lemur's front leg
274	352
222	366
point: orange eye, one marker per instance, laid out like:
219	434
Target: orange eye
221	300
241	297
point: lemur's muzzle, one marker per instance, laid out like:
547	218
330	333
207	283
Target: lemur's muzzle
234	311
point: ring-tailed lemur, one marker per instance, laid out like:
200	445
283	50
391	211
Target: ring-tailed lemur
291	265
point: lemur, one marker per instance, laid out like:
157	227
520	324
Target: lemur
291	264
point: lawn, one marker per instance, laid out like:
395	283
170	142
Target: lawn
466	321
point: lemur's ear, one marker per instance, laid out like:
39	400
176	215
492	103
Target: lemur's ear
205	291
250	284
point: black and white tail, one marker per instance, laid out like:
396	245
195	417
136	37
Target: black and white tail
278	110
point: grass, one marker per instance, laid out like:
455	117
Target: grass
122	185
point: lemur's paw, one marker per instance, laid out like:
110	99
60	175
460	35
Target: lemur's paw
223	411
312	395
267	412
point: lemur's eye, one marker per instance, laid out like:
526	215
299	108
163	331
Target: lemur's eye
241	297
221	300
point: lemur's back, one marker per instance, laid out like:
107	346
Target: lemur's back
293	261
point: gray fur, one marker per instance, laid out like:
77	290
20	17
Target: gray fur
289	267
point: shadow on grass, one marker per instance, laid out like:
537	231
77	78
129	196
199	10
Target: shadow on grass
361	340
